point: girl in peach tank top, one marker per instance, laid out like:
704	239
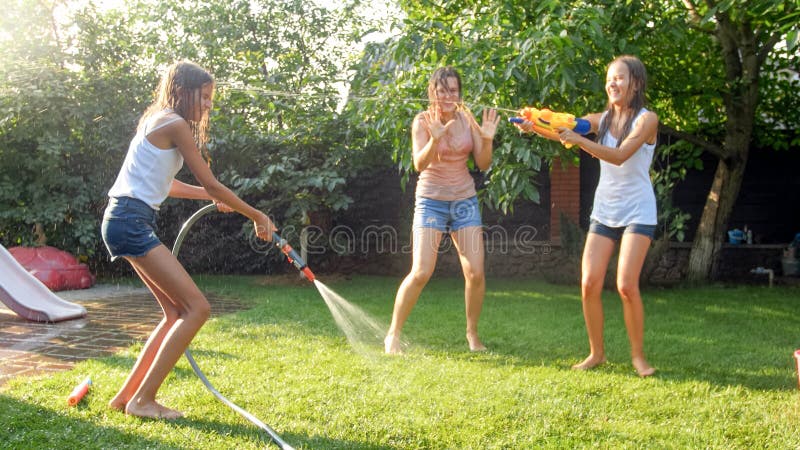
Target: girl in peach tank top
446	177
443	139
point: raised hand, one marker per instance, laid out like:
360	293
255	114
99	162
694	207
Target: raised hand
433	122
489	123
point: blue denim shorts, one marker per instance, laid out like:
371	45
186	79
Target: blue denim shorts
447	216
129	227
615	233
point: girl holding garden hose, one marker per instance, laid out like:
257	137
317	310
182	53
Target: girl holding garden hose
170	133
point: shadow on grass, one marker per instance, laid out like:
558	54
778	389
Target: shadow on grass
29	426
245	429
726	337
722	336
255	434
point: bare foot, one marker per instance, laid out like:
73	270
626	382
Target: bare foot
642	368
392	345
118	403
475	344
589	363
169	413
152	410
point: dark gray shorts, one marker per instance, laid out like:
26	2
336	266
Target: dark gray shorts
615	233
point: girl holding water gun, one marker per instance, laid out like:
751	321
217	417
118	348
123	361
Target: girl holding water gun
624	207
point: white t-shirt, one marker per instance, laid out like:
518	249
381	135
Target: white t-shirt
148	171
624	193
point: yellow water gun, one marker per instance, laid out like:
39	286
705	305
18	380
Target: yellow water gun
549	121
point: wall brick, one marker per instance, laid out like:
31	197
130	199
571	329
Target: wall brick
565	196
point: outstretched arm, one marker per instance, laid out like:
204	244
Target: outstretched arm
181	135
530	127
643	131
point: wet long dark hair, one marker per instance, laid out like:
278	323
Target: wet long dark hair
179	90
439	78
638	83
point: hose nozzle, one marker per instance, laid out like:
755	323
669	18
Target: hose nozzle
292	256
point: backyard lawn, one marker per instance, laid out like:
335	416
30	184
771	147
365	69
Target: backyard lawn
726	376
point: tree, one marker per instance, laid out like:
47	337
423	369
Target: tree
510	54
278	65
54	138
70	96
748	64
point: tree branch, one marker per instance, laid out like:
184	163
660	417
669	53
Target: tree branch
695	19
695	140
769	44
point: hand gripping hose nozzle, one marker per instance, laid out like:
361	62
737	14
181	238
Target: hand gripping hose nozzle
292	256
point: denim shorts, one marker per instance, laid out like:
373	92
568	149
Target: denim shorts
615	233
447	216
129	227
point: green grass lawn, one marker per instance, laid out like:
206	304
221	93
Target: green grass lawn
726	377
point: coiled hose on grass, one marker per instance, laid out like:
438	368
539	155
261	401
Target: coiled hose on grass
175	249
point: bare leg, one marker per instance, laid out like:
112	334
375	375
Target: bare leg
165	273
469	243
633	251
596	255
150	349
425	246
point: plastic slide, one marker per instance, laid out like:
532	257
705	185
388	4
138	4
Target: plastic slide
28	297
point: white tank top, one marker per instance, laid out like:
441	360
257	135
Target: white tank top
148	171
624	193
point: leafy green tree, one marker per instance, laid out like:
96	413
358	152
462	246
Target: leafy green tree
510	55
69	104
735	64
54	134
277	135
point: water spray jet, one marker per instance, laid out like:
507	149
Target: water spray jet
349	317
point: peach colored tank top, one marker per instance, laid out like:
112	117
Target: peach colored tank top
447	178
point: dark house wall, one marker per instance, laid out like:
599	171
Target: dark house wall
768	203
